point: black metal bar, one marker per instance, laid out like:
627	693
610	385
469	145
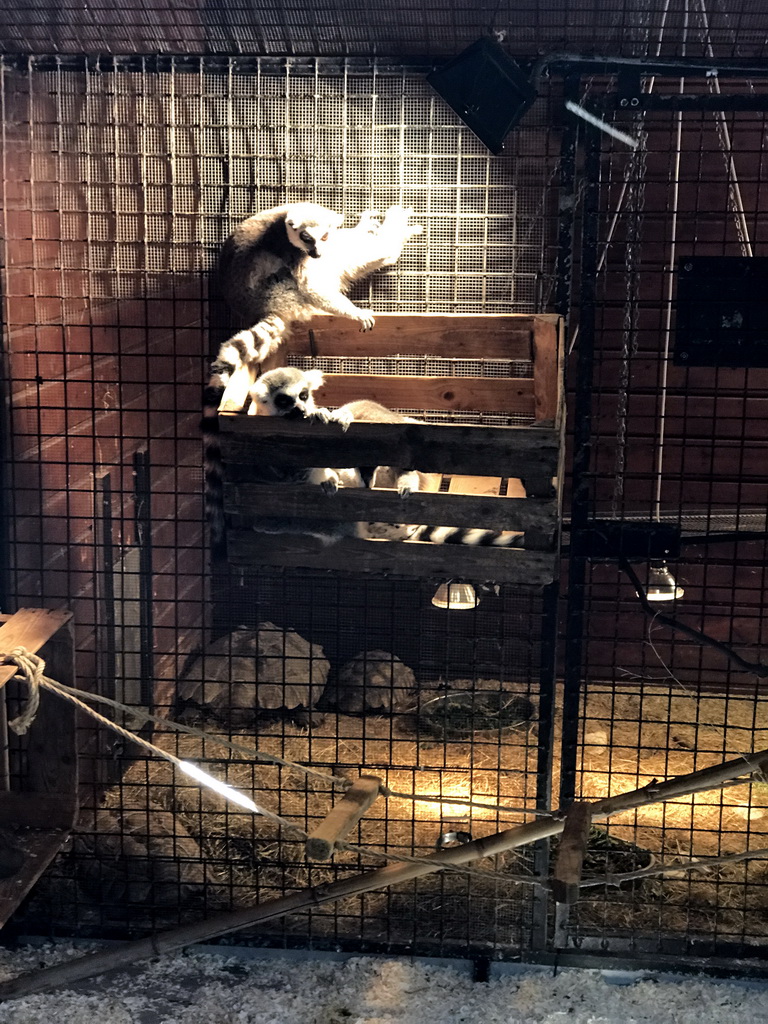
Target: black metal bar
567	198
143	524
567	63
581	492
547	678
105	560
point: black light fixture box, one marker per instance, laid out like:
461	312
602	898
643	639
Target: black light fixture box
722	311
487	90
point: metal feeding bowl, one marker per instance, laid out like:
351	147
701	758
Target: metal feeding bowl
464	713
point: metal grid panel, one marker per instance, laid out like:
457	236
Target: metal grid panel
676	445
200	858
121	180
733	28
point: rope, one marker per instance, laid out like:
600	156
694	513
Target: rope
31	672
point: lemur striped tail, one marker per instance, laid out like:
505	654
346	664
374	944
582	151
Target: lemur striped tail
251	345
464	535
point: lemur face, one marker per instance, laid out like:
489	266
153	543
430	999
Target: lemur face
287	392
310	228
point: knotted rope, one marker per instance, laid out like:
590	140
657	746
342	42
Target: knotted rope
31	668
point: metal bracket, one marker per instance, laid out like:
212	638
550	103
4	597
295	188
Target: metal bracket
606	540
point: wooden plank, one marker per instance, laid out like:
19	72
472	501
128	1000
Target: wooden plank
342	817
488	485
444	448
450	335
571	852
38	848
535	569
33	810
236	391
478	394
546	368
30	628
51	741
349	505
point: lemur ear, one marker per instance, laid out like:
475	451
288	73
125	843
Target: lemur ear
259	390
315	379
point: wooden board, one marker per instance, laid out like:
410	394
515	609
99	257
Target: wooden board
30	628
249	500
491	451
37	816
441	561
509	395
450	335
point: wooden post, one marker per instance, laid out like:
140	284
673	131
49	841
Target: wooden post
343	817
571	852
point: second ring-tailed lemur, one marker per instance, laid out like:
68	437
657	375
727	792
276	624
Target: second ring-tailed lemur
288	392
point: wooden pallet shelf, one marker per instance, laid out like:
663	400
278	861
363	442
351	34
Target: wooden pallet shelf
38	771
493	477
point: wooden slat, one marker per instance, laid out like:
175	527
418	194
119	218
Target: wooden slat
571	852
456	335
38	848
29	628
527	568
342	817
36	820
51	741
351	505
237	389
479	394
546	371
489	485
486	451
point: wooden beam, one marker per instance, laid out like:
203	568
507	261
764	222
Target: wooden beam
250	500
571	852
439	561
342	817
30	628
444	448
546	371
450	335
513	395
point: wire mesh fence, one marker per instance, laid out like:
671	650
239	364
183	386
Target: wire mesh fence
121	178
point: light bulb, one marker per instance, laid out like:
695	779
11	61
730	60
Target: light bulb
455	596
662	585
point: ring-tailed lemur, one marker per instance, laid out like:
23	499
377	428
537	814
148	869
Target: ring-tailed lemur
291	262
285	392
289	392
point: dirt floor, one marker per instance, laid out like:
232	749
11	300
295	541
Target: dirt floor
160	849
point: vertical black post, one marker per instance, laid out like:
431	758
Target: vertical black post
143	523
567	199
105	560
547	677
582	450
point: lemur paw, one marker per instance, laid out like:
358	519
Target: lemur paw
407	484
342	416
366	319
370	221
323	415
331	485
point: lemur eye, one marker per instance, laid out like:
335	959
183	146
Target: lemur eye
304	395
305	237
325	237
